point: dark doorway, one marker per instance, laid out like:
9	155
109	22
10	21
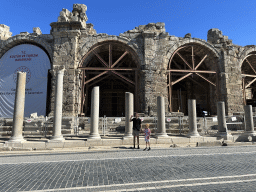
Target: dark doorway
112	97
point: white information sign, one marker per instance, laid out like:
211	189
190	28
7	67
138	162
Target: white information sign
35	62
214	119
233	119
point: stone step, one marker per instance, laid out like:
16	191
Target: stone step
5	128
26	133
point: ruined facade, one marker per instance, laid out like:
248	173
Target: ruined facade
146	61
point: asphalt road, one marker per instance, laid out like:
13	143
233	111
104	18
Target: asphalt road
175	169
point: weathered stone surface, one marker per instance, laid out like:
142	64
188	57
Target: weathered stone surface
4	32
71	39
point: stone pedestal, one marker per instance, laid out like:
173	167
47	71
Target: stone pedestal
19	105
57	136
161	130
128	112
222	126
192	119
95	104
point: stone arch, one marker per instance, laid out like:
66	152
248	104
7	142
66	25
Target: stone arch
101	38
245	53
193	65
24	39
179	44
247	64
115	67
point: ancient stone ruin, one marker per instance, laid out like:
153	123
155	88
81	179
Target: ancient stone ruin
146	61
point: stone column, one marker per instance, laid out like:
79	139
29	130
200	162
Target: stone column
161	130
249	125
192	119
222	126
249	134
128	112
57	136
95	104
19	105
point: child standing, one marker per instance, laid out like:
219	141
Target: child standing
147	137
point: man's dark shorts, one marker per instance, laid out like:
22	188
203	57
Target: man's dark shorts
136	132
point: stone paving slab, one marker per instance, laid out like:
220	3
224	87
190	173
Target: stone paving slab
187	169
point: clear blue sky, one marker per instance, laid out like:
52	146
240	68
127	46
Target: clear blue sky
236	18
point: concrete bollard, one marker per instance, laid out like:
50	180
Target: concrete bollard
95	105
19	105
57	136
161	130
128	112
192	119
222	126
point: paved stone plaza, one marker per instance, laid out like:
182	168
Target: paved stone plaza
174	169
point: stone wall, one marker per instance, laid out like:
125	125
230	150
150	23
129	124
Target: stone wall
230	71
71	38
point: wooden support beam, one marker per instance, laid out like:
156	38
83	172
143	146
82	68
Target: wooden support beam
126	82
110	55
108	69
119	59
185	76
82	92
247	75
206	79
93	83
193	61
176	64
251	82
86	98
201	62
251	66
99	57
96	77
98	72
243	88
118	74
170	92
184	60
190	71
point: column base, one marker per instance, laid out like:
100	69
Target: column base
127	136
161	135
224	135
94	136
248	136
56	139
16	140
250	133
193	134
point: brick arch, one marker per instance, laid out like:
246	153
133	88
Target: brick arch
88	47
179	44
21	39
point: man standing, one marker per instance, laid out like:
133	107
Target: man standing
136	128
